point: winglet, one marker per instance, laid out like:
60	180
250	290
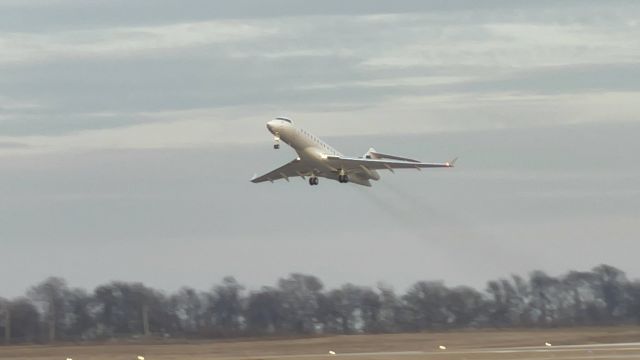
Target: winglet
452	163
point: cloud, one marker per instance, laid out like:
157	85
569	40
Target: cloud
442	67
414	81
21	48
207	127
9	104
12	145
514	45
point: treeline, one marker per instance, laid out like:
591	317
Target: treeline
300	305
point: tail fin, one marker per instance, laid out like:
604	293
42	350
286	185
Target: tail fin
370	154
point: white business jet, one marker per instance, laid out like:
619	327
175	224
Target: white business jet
317	159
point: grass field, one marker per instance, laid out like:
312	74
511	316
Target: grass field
467	345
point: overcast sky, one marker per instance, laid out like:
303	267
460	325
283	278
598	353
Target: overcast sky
129	131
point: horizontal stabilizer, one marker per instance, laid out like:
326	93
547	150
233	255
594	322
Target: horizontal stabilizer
376	155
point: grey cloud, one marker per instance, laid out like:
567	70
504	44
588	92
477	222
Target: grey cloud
569	79
12	145
71	91
63	15
283	71
559	80
52	122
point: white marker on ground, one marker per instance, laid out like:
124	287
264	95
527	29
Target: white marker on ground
331	352
442	347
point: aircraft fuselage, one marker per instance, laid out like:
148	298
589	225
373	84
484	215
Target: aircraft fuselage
318	159
310	148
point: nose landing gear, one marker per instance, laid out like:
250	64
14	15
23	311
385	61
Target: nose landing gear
276	140
314	180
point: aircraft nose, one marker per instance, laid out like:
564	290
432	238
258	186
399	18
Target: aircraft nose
271	125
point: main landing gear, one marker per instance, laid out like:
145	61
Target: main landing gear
314	180
343	177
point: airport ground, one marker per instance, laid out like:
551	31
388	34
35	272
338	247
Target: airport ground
566	344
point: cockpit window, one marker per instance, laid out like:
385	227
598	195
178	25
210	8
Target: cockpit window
284	119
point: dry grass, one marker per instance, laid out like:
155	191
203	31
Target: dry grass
459	345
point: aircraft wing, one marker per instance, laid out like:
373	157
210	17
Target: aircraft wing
377	164
291	169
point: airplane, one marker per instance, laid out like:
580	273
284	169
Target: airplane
317	159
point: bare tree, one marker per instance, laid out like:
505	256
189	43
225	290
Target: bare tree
427	301
544	292
371	308
265	312
299	304
131	308
52	293
188	305
509	302
226	307
300	300
632	291
393	315
341	309
466	305
610	284
579	288
25	320
5	320
78	316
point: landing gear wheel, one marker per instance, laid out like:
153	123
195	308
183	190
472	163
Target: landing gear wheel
314	180
276	140
343	179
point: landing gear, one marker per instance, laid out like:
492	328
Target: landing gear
314	180
343	178
276	139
